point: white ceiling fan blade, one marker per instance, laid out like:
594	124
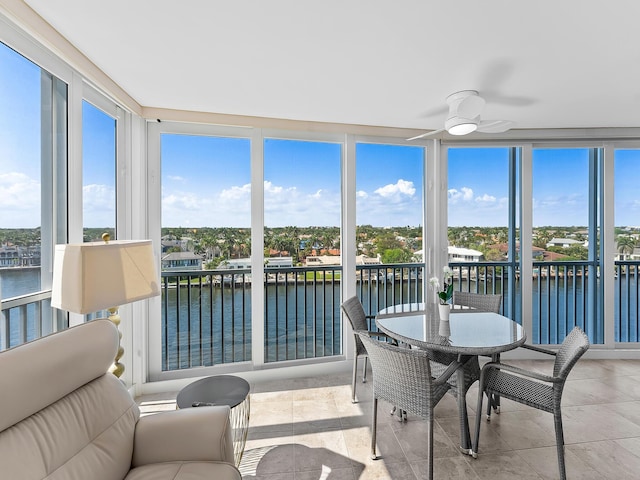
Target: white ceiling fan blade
495	126
424	135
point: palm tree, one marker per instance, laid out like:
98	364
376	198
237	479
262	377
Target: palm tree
626	244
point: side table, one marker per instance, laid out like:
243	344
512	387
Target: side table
222	390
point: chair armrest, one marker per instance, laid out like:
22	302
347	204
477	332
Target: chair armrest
525	373
380	334
539	349
189	434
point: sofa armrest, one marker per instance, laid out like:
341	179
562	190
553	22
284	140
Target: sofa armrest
189	434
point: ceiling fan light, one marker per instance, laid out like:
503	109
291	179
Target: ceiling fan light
460	126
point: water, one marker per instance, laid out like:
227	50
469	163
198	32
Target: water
19	281
290	312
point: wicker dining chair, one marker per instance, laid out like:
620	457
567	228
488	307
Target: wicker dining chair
403	377
482	302
537	390
489	302
352	308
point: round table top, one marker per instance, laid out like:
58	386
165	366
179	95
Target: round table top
216	390
468	332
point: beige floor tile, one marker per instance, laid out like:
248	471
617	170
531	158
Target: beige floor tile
307	428
591	423
315	416
519	429
381	470
312	451
450	468
545	463
609	458
593	391
271	417
503	466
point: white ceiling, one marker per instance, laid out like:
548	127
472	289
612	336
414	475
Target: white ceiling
543	63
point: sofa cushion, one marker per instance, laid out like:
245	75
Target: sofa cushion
86	435
39	373
185	471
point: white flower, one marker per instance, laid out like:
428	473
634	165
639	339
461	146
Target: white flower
434	282
448	273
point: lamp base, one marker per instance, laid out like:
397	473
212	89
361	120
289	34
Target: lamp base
117	368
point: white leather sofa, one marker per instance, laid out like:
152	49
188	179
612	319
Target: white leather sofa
62	417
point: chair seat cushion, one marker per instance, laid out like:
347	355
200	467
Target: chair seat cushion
520	389
185	471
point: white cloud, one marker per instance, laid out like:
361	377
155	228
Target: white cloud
291	206
390	205
176	178
19	201
98	205
465	194
486	199
466	208
231	207
183	201
236	193
396	190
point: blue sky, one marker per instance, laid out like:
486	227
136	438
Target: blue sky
206	180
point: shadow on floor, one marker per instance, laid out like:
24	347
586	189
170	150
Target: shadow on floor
282	460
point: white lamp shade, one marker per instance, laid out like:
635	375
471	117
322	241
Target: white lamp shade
89	277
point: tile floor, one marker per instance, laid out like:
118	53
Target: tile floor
306	429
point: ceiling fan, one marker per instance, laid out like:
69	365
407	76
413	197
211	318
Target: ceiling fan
465	108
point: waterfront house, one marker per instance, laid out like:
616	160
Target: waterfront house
181	261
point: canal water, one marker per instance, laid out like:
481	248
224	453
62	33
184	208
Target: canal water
303	322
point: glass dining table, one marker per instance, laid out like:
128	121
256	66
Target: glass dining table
468	333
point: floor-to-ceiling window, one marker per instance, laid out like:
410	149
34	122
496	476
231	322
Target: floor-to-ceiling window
302	212
565	233
483	238
389	221
627	245
206	250
99	159
33	121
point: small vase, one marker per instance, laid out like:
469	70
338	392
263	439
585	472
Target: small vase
444	311
444	329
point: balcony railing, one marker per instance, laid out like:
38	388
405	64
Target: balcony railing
627	301
206	315
27	317
558	295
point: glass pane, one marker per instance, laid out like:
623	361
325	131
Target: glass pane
98	173
627	251
33	114
478	223
206	249
389	213
302	249
561	197
20	175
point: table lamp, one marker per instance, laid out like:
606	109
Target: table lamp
94	276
